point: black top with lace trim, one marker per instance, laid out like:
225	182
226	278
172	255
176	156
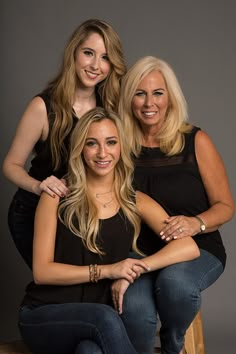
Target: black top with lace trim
175	182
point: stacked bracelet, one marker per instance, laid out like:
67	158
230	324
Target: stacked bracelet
94	273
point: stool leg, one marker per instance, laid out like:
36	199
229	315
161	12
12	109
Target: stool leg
194	342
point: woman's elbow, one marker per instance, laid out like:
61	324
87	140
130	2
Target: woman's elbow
194	250
39	276
8	169
232	211
5	168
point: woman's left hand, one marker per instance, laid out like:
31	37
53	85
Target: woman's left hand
179	226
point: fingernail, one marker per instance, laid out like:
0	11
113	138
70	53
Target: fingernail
161	233
167	239
163	237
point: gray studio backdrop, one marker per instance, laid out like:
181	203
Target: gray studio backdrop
196	37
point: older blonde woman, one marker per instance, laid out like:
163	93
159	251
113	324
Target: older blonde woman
177	164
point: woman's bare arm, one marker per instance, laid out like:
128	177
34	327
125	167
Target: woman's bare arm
32	127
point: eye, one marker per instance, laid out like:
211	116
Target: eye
90	143
140	93
112	142
158	93
89	53
105	57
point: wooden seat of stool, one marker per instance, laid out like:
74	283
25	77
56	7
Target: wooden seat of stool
194	341
15	347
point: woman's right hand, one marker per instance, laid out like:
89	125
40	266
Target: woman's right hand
118	290
53	186
129	269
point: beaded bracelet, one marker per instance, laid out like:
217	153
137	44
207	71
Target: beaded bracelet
94	273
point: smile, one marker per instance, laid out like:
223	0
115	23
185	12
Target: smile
149	114
102	163
91	75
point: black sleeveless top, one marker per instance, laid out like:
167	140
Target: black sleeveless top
41	165
115	238
175	182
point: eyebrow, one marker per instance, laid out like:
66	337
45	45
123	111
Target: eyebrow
109	137
156	89
87	48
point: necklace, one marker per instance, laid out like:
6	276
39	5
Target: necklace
105	205
98	194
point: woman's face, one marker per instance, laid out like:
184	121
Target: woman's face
91	61
101	151
150	102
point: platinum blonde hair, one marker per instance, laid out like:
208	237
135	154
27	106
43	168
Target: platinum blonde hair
78	211
170	137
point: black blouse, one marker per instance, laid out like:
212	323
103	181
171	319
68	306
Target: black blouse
175	182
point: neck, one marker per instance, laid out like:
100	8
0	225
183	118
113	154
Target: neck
84	100
149	139
82	94
103	184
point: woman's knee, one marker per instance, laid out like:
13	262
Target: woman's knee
177	289
88	347
140	296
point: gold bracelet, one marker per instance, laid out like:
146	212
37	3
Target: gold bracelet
91	273
97	273
94	273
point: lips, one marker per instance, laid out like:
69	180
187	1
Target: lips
149	113
102	163
91	75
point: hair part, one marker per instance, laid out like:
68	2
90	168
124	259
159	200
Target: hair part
170	137
78	210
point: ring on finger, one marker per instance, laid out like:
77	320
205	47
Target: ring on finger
180	230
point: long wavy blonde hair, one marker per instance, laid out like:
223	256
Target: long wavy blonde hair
78	211
62	88
171	135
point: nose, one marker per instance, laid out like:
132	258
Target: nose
95	63
102	151
149	100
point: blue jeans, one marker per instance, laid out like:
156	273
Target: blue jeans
74	328
175	295
21	223
88	347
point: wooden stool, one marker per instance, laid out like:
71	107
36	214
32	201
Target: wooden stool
194	343
16	347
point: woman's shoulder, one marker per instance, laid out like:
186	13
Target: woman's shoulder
45	98
190	133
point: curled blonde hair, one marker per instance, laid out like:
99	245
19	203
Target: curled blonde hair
62	88
170	137
78	211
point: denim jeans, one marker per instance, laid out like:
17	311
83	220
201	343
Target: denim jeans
88	347
21	223
74	328
177	299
